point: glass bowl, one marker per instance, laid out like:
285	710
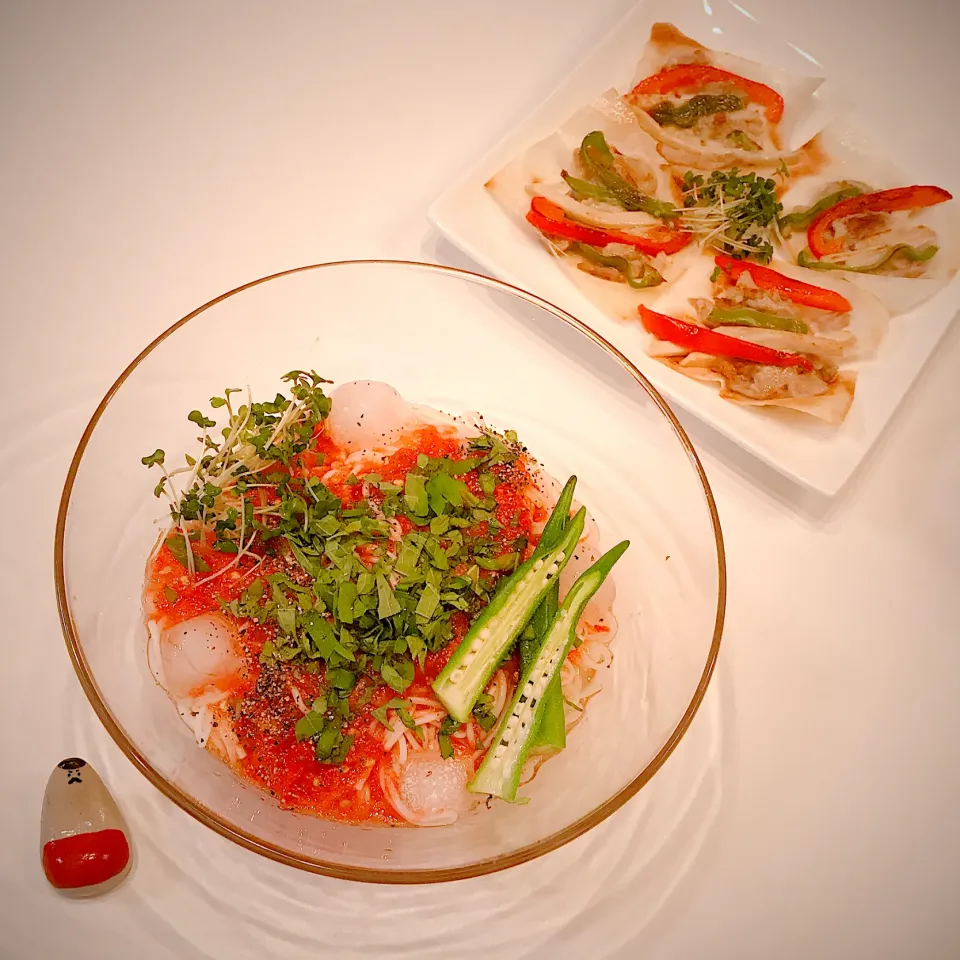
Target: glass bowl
461	342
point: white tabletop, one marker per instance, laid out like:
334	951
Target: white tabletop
157	155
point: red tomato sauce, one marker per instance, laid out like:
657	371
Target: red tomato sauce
263	708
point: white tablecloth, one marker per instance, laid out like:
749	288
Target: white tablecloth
156	155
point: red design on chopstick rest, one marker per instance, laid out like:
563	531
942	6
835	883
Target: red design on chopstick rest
85	859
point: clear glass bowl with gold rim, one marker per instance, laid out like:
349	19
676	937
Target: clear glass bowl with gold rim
459	342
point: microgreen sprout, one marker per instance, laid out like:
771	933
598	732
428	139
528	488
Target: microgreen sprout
733	213
208	493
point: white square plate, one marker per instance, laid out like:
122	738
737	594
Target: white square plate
811	453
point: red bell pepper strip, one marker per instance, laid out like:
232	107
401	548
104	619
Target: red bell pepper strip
805	294
552	220
885	201
691	76
702	340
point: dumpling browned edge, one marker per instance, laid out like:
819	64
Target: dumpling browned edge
831	407
663	34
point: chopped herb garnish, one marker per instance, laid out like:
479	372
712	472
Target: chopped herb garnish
405	718
380	713
178	547
482	712
415	495
309	726
429	602
268	652
448	726
341	679
347	603
387	603
397	674
332	746
506	561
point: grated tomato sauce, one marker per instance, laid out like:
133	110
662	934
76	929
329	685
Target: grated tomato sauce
265	711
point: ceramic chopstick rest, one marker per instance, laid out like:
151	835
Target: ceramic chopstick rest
83	839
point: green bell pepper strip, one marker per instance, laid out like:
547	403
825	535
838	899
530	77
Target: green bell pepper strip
649	278
499	773
585	190
551	735
801	219
913	254
740	140
597	159
687	114
494	631
746	317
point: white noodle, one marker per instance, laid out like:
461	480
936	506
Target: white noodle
594	654
363	780
217	744
298	700
426	718
381	771
230	736
498	690
224	741
593	688
426	702
395	732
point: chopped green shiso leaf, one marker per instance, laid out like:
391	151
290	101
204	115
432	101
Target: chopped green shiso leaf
375	618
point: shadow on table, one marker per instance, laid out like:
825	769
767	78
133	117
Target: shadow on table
598	896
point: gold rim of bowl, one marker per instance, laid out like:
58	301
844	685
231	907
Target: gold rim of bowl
281	855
